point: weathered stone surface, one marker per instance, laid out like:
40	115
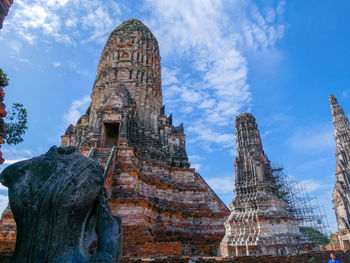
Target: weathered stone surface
166	207
61	211
259	223
312	257
127	94
4	8
341	192
7	233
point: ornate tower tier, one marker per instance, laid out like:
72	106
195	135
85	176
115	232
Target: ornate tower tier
131	57
341	193
260	222
126	101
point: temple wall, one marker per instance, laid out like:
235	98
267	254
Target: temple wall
160	203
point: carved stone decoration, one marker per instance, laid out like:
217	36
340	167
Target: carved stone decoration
341	192
60	207
260	222
166	207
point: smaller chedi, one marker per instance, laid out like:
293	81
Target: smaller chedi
260	222
61	210
341	193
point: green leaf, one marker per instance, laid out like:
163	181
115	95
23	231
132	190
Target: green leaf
16	124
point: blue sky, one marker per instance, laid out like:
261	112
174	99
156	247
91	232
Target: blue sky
279	60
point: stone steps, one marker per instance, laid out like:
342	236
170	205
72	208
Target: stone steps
101	156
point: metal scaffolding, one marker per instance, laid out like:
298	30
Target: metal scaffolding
311	215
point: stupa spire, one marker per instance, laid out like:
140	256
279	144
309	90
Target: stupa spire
257	204
341	193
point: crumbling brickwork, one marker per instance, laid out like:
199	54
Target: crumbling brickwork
312	257
4	8
341	192
7	232
260	222
166	207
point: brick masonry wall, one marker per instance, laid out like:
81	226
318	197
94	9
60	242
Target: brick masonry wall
315	257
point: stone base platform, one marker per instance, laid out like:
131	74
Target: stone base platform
312	257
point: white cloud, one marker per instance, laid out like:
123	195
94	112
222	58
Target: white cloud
195	158
345	94
14	161
2	187
214	42
76	110
33	20
312	185
314	138
169	76
4	200
205	133
196	166
24	60
57	64
221	185
195	161
99	21
311	164
71	23
78	70
13	150
202	35
15	46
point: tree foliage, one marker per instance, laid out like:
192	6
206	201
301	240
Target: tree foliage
315	236
16	124
3	75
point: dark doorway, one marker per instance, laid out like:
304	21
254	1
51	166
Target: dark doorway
111	134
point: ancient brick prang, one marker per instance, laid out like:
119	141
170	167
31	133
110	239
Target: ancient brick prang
341	192
167	209
260	222
127	92
4	8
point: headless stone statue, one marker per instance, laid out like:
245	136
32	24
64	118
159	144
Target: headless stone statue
61	211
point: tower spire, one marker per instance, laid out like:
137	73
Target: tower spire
341	192
257	203
340	121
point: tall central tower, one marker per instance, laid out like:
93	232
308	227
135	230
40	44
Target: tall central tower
126	100
260	222
131	57
165	206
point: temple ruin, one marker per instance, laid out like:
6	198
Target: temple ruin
341	192
260	222
166	207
